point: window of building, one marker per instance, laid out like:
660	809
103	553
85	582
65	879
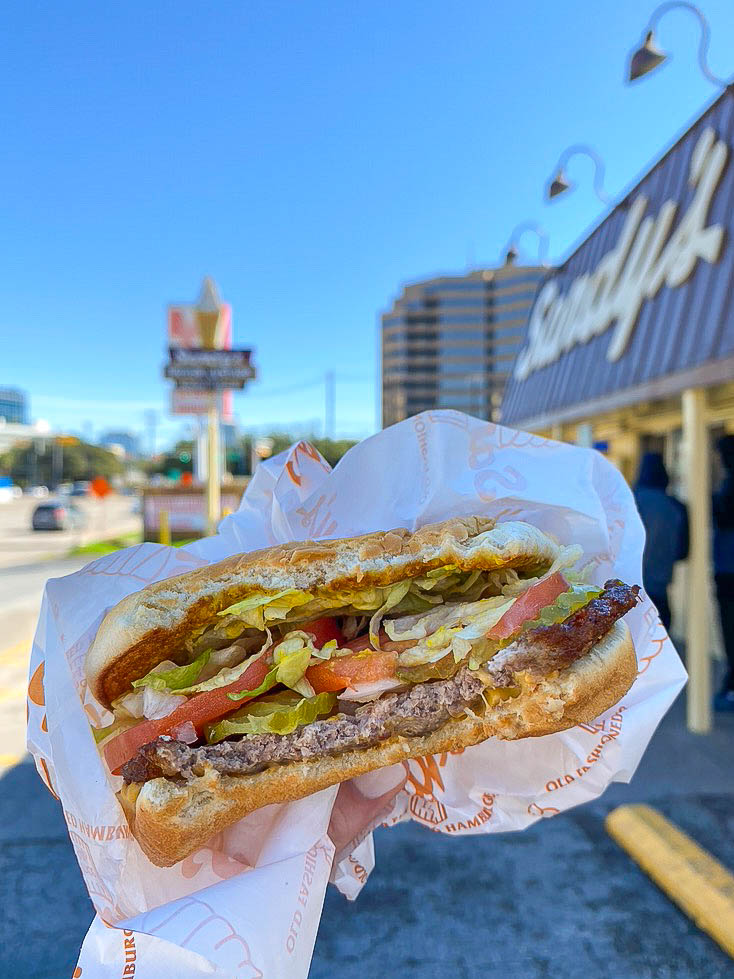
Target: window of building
502	316
522	295
471	402
510	332
472	285
518	279
468	318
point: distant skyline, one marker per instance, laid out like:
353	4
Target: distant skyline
312	158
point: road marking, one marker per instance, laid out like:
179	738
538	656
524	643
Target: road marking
7	761
701	886
11	653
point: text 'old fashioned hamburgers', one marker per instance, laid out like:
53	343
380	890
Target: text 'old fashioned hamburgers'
271	675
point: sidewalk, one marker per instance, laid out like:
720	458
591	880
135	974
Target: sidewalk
559	899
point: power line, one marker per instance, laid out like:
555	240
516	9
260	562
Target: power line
303	385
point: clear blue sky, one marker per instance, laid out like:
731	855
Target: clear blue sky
311	157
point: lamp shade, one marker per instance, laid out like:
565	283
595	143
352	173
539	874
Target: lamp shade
558	185
645	59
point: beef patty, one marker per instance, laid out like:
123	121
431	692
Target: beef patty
417	711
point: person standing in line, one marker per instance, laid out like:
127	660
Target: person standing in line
666	525
723	515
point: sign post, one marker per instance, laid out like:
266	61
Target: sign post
205	369
213	501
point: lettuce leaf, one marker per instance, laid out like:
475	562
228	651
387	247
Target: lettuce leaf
101	734
257	611
396	594
280	713
225	676
267	684
291	658
176	678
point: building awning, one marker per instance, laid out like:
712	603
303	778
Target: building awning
644	307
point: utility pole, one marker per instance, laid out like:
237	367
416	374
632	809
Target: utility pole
329	404
57	462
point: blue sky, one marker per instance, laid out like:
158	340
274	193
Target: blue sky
311	157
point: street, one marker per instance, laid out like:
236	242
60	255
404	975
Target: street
19	545
28	559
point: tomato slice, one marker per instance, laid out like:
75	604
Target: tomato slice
323	631
352	671
528	605
199	709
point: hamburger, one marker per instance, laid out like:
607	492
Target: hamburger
271	675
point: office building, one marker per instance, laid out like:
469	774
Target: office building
14	406
449	342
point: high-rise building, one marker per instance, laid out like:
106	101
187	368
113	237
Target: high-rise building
450	342
14	406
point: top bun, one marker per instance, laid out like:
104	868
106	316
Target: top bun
151	625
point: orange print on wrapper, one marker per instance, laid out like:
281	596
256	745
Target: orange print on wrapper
424	804
37	697
318	521
293	466
35	686
195	925
543	811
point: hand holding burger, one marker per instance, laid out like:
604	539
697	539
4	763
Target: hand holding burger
271	675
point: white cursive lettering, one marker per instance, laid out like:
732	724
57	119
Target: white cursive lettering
646	257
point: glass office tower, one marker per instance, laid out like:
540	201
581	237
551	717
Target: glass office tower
450	342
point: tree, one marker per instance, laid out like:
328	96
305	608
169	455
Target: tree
33	463
178	460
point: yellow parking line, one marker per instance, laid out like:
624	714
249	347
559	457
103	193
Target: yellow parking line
13	652
701	886
7	761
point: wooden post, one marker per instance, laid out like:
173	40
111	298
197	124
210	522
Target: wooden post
695	437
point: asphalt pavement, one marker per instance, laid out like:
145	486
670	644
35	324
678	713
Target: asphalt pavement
20	545
559	899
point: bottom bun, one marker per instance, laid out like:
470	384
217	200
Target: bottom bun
171	819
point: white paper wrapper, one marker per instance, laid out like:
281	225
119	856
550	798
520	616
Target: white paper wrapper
249	903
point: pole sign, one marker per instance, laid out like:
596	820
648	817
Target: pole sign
209	370
189	330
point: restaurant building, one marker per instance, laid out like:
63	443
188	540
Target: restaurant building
630	346
450	341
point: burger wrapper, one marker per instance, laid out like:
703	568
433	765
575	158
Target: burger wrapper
249	903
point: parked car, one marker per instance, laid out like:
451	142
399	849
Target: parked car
57	515
81	487
40	492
